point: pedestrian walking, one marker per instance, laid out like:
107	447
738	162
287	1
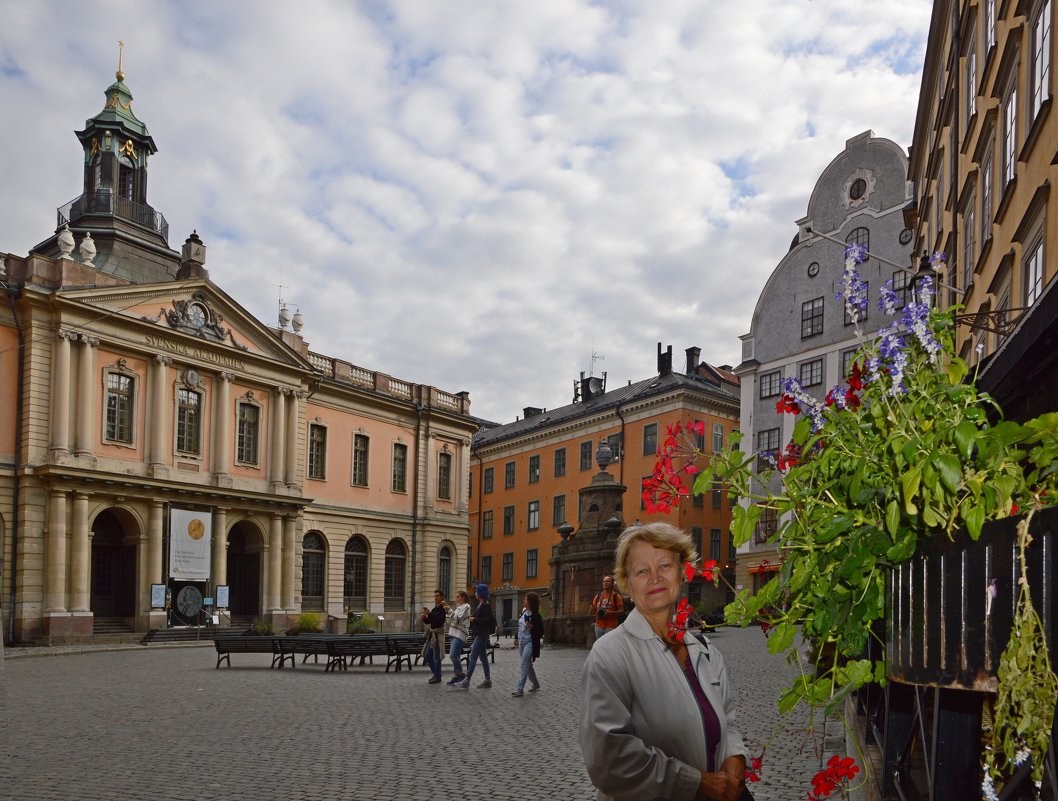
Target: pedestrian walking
459	631
607	607
530	632
482	626
435	635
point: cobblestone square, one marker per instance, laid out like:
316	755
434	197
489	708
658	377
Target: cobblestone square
162	723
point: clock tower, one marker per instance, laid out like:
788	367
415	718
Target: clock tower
131	237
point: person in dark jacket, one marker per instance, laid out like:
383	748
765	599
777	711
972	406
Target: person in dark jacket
482	624
530	632
435	636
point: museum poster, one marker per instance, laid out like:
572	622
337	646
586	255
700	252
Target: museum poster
190	537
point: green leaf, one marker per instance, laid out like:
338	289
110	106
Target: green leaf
909	482
949	469
965	437
892	518
975	518
781	637
957	370
903	549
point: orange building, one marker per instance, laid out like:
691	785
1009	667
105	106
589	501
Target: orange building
526	475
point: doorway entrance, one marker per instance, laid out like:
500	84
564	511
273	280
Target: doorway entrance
244	570
113	567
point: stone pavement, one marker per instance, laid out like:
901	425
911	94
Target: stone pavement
161	723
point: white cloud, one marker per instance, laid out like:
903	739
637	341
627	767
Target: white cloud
472	195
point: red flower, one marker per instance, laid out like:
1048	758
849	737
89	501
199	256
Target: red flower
752	773
688	571
838	772
856	377
1014	508
679	622
787	404
708	569
852	401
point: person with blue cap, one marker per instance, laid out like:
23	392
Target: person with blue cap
482	626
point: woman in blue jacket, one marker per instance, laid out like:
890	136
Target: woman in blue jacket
530	631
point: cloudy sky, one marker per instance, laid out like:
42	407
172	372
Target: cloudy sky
470	194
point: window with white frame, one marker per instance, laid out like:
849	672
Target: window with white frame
767	447
400	468
971	80
361	443
317	451
188	420
1033	272
861	312
969	248
532	560
769	384
811	373
986	194
247	434
1010	133
1040	69
901	288
650	439
121	396
859	236
534	515
718	437
534	468
812	318
847	358
508	567
585	455
444	476
990	24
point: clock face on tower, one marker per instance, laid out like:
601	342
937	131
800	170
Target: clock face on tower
189	601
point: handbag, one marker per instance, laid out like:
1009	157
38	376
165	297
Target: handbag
746	794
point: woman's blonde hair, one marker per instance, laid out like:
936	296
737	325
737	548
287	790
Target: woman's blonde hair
661	535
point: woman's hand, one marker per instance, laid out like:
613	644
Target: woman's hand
721	785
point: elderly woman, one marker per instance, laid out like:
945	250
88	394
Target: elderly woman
657	718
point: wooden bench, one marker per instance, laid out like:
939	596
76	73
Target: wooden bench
314	645
226	646
341	651
402	649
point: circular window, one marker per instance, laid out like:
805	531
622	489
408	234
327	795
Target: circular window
813	269
859	186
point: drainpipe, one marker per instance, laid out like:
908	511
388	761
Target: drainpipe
13	292
621	469
415	503
481	499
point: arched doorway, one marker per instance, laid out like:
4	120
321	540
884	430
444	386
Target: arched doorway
244	570
355	582
114	536
313	570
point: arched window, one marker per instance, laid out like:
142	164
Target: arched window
444	571
355	591
859	236
393	591
312	571
126	171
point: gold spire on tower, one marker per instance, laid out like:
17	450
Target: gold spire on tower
119	74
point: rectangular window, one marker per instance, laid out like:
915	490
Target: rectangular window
717	496
811	318
718	437
971	83
1034	273
650	439
732	551
558	510
508	520
508	475
767	446
616	450
534	516
969	252
486	570
698	501
847	358
400	467
766	526
1010	132
769	384
508	567
696	538
585	455
534	469
863	312
246	438
986	195
360	453
714	543
120	397
812	373
1040	70
188	420
490	480
560	462
900	288
317	451
444	476
990	24
486	524
532	557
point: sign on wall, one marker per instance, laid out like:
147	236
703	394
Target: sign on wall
190	540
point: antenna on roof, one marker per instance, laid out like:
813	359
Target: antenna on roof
595	357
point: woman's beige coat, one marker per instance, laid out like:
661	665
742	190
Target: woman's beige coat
640	729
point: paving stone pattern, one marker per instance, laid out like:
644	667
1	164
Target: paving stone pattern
162	723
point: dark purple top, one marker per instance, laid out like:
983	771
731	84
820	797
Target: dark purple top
709	718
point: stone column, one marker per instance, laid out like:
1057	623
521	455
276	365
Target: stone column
80	556
462	470
275	563
60	396
158	416
293	428
222	414
288	563
220	546
155	540
55	579
278	439
88	390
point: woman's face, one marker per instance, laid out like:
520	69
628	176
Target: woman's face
654	575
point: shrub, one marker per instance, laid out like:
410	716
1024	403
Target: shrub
262	627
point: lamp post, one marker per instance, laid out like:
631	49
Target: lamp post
925	272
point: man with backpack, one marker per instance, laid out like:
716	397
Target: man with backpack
607	607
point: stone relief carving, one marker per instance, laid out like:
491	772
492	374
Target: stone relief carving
198	317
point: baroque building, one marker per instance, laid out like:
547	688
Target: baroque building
528	477
800	328
160	447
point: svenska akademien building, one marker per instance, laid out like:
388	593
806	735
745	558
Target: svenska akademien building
154	434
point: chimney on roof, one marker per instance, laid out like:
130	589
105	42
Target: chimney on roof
531	411
692	360
664	360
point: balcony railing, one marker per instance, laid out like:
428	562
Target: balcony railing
105	202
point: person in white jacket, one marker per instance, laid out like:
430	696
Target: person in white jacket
458	617
657	717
